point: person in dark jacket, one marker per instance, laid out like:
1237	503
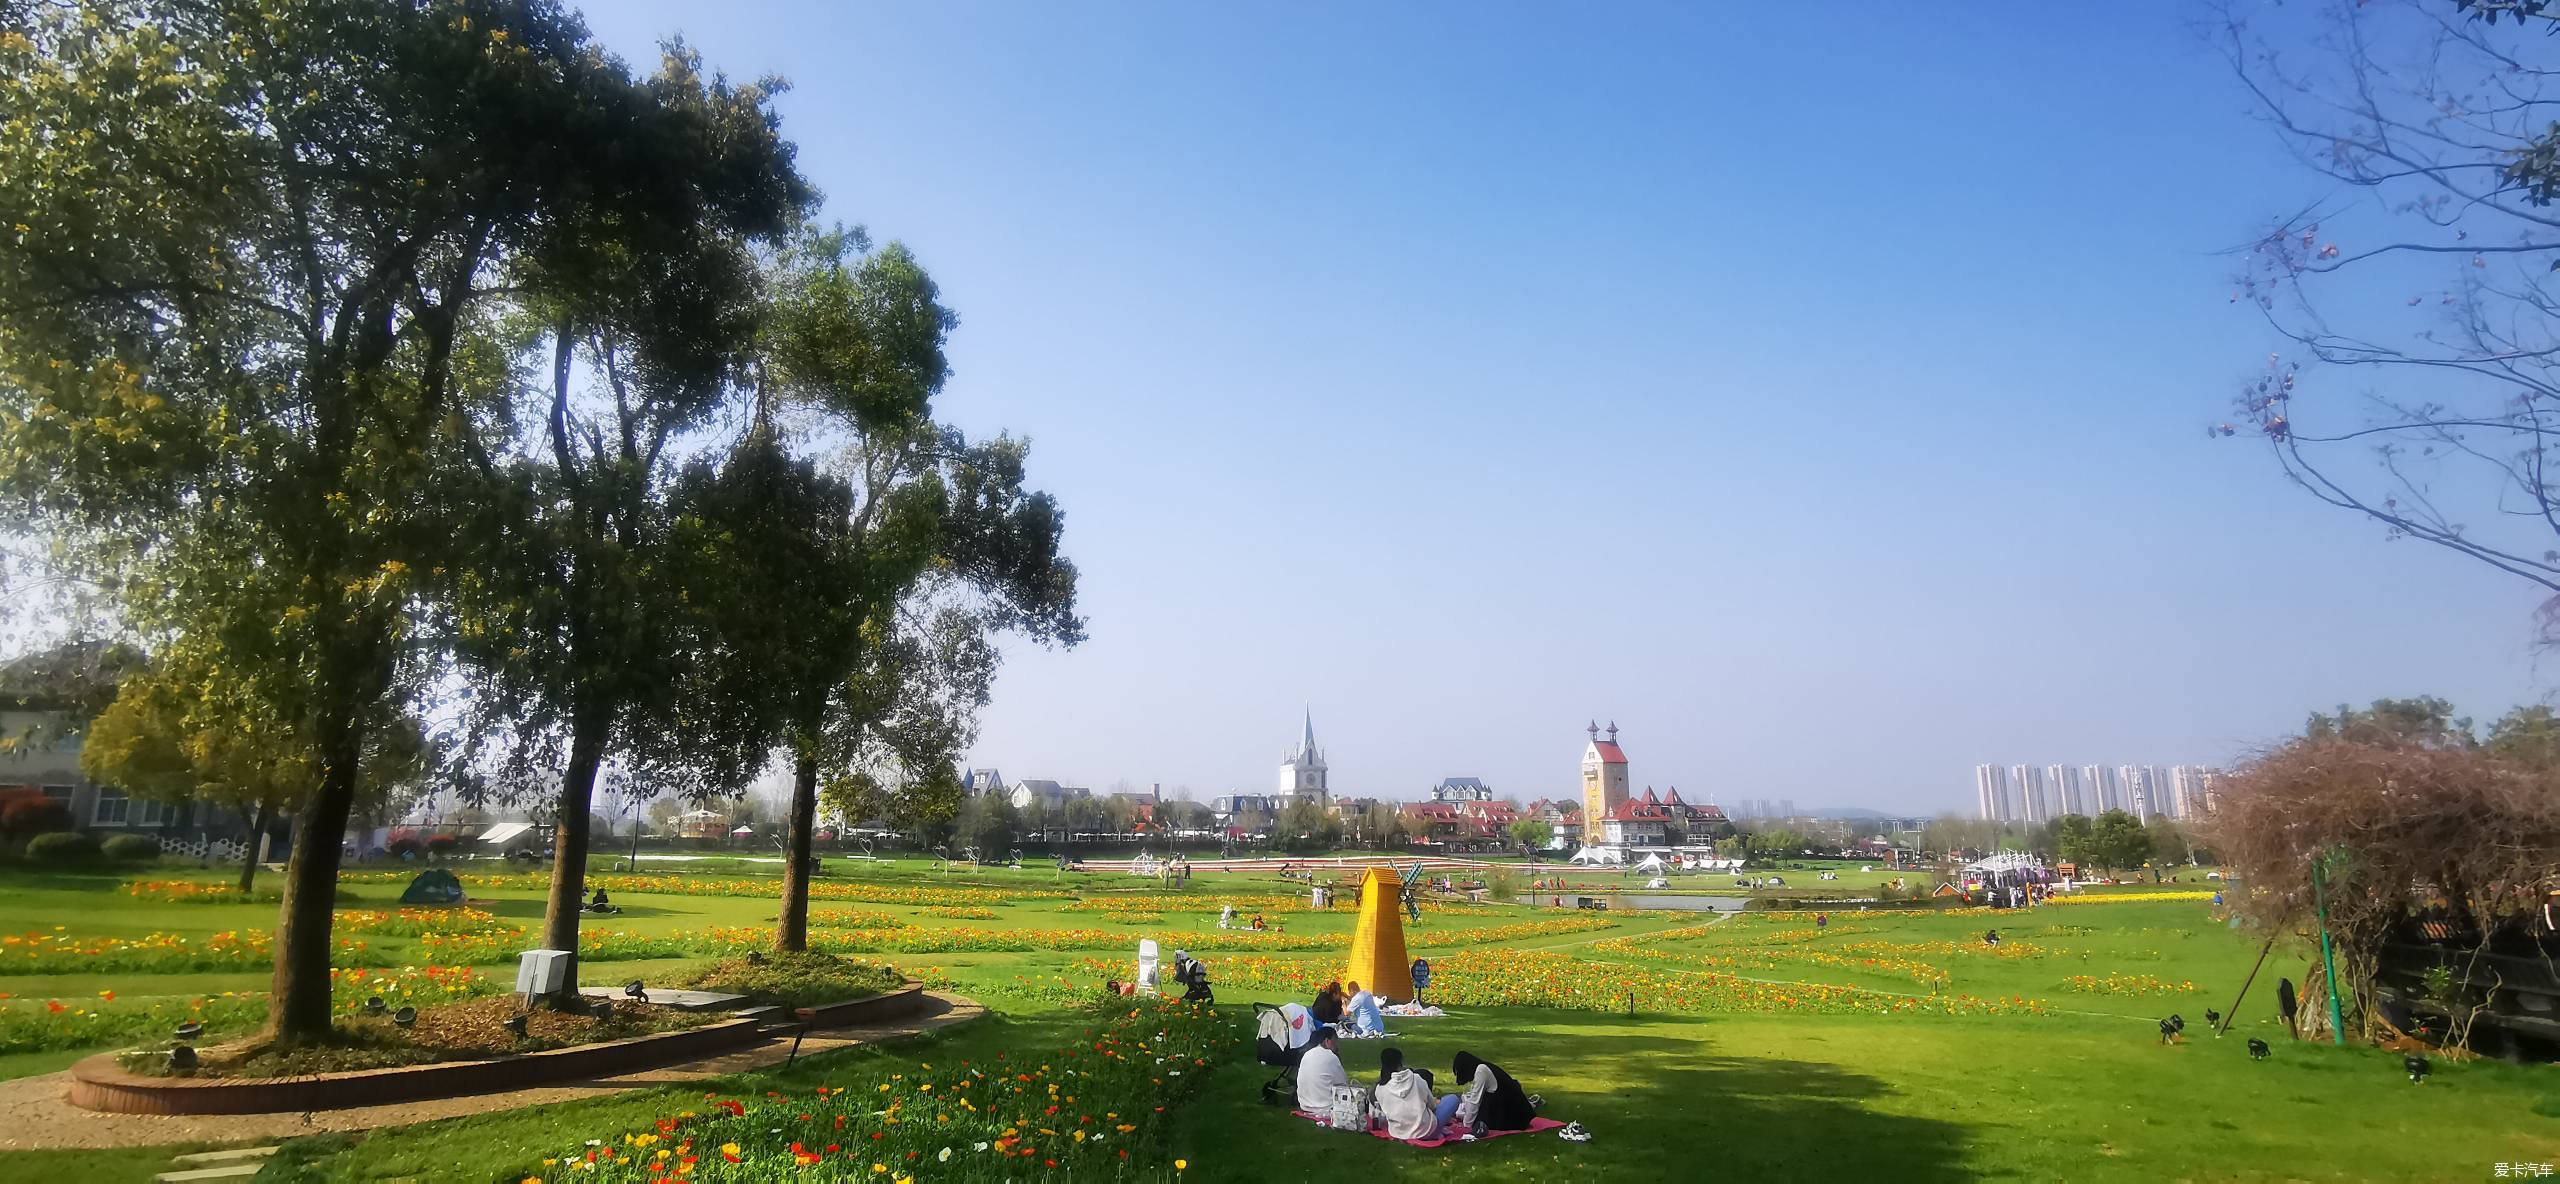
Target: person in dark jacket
1327	1008
1487	1095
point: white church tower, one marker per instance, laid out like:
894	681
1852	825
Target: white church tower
1302	775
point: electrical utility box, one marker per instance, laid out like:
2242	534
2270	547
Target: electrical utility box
542	972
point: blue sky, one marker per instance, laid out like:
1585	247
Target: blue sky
1819	397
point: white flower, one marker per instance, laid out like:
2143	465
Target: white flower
982	1146
1173	1072
945	1157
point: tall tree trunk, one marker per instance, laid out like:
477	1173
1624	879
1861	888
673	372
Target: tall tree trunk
298	995
569	849
257	835
791	929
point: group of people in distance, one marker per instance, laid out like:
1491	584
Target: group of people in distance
1487	1098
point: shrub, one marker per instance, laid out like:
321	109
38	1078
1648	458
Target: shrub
28	812
403	848
441	845
62	847
133	848
797	980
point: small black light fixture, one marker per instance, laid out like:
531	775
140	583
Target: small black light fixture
515	1026
405	1017
190	1031
375	1006
182	1059
635	992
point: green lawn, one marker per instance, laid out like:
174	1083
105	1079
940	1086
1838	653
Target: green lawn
2082	1090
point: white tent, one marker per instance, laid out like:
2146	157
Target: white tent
1650	863
1600	855
505	832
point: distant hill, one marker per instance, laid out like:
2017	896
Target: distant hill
1851	814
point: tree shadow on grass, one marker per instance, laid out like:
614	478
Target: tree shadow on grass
1659	1107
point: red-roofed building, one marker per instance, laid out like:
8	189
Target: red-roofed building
1637	824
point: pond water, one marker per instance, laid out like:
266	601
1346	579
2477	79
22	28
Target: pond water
1637	900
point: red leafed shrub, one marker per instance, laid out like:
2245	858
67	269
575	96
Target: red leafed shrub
25	812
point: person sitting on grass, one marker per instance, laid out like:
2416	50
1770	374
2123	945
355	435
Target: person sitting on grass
1492	1101
1258	926
1320	1071
1361	1012
1405	1103
1327	1008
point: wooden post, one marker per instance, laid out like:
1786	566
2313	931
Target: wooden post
2234	1012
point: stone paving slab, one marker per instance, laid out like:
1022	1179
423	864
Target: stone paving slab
675	997
34	1114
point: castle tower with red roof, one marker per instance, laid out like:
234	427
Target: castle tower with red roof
1604	776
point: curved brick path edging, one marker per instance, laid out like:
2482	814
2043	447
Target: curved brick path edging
99	1083
35	1114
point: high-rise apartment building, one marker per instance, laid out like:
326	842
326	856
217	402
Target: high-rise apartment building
2069	795
2194	786
1991	792
2026	783
2164	794
2105	789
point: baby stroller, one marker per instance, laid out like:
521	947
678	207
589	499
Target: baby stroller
1281	1037
1194	977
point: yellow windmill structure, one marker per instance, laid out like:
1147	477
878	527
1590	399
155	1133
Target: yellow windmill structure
1378	958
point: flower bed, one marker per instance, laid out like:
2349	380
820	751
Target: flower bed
194	892
2131	897
866	918
1778	958
154	953
33	1025
419	922
1092	1109
2127	984
675	885
960	912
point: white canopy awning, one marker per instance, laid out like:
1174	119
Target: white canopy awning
506	832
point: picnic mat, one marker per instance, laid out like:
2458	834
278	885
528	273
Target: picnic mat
1536	1125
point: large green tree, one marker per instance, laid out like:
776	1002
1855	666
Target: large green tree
258	253
842	518
641	313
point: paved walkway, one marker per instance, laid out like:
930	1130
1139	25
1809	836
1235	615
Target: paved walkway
34	1115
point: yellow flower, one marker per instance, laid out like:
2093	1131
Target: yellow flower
1182	1165
879	1168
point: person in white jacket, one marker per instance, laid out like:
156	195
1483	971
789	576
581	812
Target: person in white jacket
1405	1103
1319	1071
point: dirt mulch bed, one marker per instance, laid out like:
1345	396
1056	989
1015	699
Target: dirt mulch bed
471	1030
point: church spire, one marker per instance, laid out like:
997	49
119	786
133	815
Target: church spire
1308	745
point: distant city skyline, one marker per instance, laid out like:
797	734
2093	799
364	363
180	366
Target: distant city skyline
2040	793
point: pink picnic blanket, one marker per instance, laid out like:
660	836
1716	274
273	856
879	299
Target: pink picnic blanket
1379	1129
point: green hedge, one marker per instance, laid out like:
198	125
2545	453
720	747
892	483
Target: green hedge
62	847
133	848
